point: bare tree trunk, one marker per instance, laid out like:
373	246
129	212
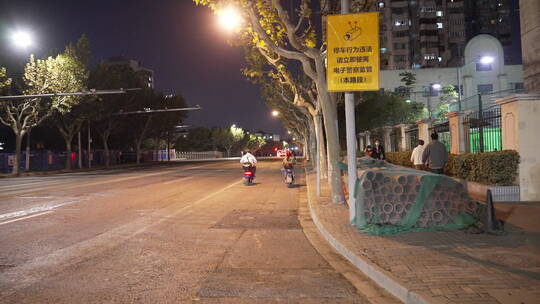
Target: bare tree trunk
68	141
27	161
18	142
138	152
332	137
312	143
105	138
322	147
139	140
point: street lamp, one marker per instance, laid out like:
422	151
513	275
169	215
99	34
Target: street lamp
436	87
275	113
483	60
21	39
486	59
229	18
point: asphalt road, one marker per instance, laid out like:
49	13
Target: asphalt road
178	233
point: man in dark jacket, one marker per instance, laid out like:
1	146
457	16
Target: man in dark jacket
435	155
378	150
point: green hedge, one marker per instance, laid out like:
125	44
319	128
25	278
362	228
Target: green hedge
399	158
492	168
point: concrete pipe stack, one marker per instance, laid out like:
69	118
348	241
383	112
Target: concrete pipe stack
389	194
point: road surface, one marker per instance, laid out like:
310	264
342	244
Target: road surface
174	233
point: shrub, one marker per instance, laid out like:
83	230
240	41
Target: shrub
402	158
492	168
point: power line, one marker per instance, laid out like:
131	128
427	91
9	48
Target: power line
145	111
84	93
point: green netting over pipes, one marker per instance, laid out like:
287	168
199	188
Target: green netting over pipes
393	199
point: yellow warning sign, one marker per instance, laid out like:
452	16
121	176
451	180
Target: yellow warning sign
353	52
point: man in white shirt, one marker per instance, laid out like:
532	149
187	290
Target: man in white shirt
416	156
249	158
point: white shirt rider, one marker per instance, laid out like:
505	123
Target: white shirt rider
248	158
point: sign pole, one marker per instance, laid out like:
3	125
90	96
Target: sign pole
351	137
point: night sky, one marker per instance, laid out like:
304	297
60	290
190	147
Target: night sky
181	42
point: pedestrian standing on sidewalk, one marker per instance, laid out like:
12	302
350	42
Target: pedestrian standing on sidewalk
368	151
416	156
435	155
378	150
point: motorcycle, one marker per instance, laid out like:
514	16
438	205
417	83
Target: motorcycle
289	175
248	174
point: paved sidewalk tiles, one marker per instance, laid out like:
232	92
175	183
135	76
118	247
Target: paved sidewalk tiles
437	267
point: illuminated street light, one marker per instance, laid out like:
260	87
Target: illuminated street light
436	86
275	113
486	59
408	101
21	39
229	18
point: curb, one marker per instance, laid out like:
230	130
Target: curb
381	277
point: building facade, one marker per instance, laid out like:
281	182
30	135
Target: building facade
136	65
421	34
433	33
473	77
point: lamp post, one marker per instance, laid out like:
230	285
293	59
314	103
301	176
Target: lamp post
275	113
483	60
23	40
427	93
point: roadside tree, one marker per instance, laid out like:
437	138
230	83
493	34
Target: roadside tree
227	138
270	28
104	109
70	113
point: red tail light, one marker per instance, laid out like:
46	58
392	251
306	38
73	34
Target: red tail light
248	172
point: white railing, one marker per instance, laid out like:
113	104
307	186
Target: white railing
199	155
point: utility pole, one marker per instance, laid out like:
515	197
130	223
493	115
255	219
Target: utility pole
350	124
89	147
80	149
27	161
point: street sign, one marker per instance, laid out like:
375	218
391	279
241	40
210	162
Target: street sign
353	52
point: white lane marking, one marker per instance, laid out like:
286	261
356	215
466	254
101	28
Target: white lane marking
175	213
36	269
24	218
120	179
25	184
46	207
178	179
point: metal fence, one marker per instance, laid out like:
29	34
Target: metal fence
485	134
395	138
412	137
482	101
443	129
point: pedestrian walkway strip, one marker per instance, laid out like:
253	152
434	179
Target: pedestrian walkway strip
437	266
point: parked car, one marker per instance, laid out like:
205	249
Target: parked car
281	153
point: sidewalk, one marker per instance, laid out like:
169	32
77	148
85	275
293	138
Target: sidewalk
441	267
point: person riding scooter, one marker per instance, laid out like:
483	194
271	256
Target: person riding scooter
288	163
248	158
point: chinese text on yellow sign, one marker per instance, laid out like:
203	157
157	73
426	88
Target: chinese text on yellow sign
353	52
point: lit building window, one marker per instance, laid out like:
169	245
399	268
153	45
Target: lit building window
439	13
439	25
380	4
